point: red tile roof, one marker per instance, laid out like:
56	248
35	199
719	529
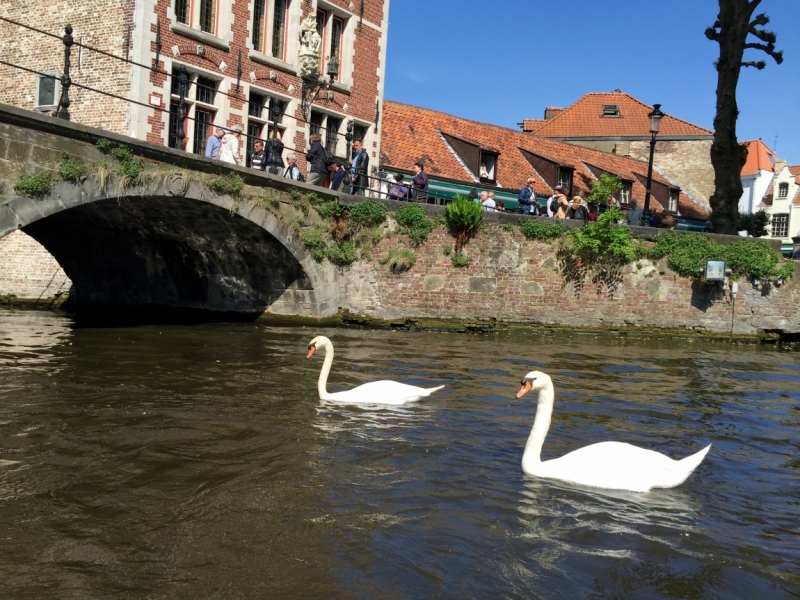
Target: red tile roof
411	133
759	158
585	119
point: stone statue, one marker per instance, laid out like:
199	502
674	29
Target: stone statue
310	44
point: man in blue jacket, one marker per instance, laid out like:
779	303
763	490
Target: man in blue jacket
525	198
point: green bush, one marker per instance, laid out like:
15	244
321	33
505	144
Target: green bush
413	222
329	210
70	169
104	145
459	259
464	219
604	187
367	214
315	241
604	239
121	153
447	250
400	260
533	229
754	224
342	253
130	170
231	184
33	185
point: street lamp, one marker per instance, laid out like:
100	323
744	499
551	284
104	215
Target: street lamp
655	126
313	84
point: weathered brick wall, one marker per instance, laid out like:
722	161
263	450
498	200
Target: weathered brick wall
102	25
28	271
519	281
688	163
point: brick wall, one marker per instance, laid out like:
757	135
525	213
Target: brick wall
102	25
28	271
688	163
518	281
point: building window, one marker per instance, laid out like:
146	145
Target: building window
172	137
337	31
673	200
783	190
182	11
206	90
780	226
625	193
279	29
315	122
488	167
203	122
360	132
322	19
207	16
610	110
253	134
259	11
47	89
565	180
332	134
255	107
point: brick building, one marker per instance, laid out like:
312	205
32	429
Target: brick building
488	156
617	123
216	41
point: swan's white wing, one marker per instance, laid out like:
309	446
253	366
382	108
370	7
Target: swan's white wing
617	466
383	392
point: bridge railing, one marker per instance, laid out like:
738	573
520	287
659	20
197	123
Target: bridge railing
276	114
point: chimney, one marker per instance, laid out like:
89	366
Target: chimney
780	164
551	112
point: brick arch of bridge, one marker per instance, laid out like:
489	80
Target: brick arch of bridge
176	244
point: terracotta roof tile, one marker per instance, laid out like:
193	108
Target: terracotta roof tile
585	119
531	125
759	158
411	133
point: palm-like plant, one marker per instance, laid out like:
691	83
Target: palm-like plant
464	218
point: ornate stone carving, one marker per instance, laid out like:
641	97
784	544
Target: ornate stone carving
176	185
310	44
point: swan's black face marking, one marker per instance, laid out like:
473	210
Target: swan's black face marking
312	347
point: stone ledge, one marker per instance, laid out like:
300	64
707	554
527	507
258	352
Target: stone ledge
200	36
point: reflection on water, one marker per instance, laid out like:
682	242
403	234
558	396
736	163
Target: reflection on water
186	462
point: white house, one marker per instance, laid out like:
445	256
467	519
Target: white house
782	202
757	175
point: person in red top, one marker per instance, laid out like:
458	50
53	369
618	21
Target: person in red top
593	208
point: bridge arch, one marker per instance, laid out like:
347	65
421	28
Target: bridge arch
173	243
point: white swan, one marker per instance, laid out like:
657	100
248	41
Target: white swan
607	465
375	392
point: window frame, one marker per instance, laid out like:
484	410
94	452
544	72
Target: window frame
199	144
192	103
271	28
674	196
491	173
782	221
56	77
783	190
568	181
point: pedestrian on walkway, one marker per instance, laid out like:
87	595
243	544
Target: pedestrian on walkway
319	158
229	151
213	143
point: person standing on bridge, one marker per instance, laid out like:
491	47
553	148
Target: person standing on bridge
229	150
213	143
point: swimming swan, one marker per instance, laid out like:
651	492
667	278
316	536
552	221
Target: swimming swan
376	392
607	465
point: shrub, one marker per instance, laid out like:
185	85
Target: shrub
604	187
314	241
533	229
413	222
121	153
33	185
604	239
464	219
329	210
754	224
130	170
70	169
367	214
447	250
104	145
459	259
342	253
400	259
232	184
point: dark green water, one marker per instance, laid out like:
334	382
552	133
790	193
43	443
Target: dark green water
197	462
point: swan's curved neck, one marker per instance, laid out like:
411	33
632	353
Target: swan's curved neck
544	411
322	383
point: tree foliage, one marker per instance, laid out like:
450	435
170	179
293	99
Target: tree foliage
604	187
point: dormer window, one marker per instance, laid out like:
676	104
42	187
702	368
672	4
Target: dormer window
783	190
488	167
611	110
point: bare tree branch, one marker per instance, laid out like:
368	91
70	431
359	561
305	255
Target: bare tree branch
760	20
765	36
712	34
757	64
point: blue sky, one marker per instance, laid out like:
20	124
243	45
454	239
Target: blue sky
503	61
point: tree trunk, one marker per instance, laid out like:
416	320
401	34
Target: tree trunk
727	156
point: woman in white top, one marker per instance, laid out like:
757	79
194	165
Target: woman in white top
229	149
489	204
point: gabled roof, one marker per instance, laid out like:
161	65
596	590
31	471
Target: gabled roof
585	119
769	196
759	158
411	133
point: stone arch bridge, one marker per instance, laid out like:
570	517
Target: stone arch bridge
171	243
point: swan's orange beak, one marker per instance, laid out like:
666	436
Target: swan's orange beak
311	350
526	387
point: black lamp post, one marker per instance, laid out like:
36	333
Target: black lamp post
313	84
655	127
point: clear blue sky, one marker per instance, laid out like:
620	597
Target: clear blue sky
502	61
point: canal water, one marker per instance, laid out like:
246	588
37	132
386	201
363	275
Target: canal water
197	462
